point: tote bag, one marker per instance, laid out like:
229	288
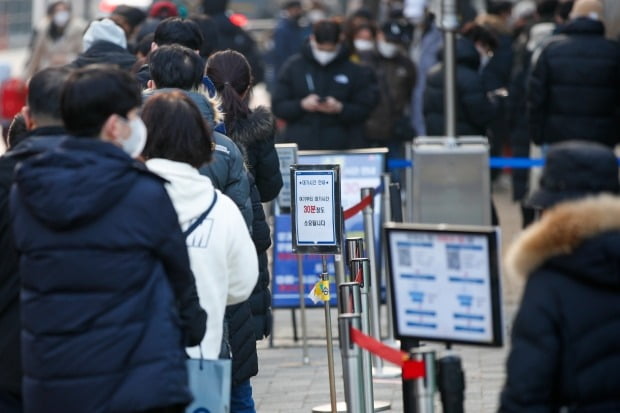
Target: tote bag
209	381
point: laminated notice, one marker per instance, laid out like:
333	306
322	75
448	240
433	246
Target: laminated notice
320	291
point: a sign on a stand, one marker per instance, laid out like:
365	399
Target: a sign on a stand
315	209
287	154
446	283
361	168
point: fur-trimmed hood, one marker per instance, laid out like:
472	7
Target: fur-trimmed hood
260	125
590	227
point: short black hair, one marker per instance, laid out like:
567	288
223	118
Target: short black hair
326	31
175	30
95	92
144	45
132	15
44	92
176	130
176	66
210	36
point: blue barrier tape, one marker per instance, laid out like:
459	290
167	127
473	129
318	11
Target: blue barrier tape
516	163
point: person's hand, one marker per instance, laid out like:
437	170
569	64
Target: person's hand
310	103
331	106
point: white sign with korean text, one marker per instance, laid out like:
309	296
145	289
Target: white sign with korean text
315	207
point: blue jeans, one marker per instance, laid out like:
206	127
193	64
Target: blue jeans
241	398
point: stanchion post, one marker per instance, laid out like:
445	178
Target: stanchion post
387	217
360	266
351	364
302	309
424	388
339	264
330	344
373	292
354	247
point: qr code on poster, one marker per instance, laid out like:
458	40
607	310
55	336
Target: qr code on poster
404	257
453	258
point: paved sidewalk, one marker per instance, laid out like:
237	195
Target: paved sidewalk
285	385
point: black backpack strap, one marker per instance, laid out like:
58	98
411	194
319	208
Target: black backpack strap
201	218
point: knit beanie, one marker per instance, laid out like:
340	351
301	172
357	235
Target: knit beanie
104	30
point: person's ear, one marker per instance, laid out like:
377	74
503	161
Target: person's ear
154	46
150	84
112	129
28	120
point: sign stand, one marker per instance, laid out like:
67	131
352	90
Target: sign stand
317	229
302	310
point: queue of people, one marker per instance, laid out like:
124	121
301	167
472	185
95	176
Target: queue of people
132	230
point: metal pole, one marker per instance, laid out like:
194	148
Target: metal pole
387	217
330	344
302	309
359	266
449	25
339	258
409	183
354	249
351	363
424	388
373	293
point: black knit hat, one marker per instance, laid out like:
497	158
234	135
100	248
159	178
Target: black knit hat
397	32
575	169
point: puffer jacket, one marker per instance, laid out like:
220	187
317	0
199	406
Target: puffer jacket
565	343
474	109
351	84
38	140
574	86
227	170
102	52
255	136
108	300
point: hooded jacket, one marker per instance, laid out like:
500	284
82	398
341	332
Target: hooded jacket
36	141
353	85
226	170
108	299
574	86
220	250
565	342
255	136
104	52
474	109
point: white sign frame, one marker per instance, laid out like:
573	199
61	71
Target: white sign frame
446	283
316	211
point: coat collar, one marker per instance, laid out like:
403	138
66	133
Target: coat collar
560	230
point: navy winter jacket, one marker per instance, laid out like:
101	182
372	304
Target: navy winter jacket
574	86
108	298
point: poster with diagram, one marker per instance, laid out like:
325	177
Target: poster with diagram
446	283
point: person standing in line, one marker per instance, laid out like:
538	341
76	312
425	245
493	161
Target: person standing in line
574	85
57	40
220	249
253	131
565	346
44	130
323	97
289	35
108	299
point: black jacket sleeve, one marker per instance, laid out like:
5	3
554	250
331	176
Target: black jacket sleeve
364	99
266	169
285	102
173	253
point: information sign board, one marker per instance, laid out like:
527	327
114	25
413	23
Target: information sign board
446	284
287	154
315	207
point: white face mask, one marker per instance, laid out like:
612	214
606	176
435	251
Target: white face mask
323	57
134	144
362	45
61	18
387	50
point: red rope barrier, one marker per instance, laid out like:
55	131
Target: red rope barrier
411	369
355	209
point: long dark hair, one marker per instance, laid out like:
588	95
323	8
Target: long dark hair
231	74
